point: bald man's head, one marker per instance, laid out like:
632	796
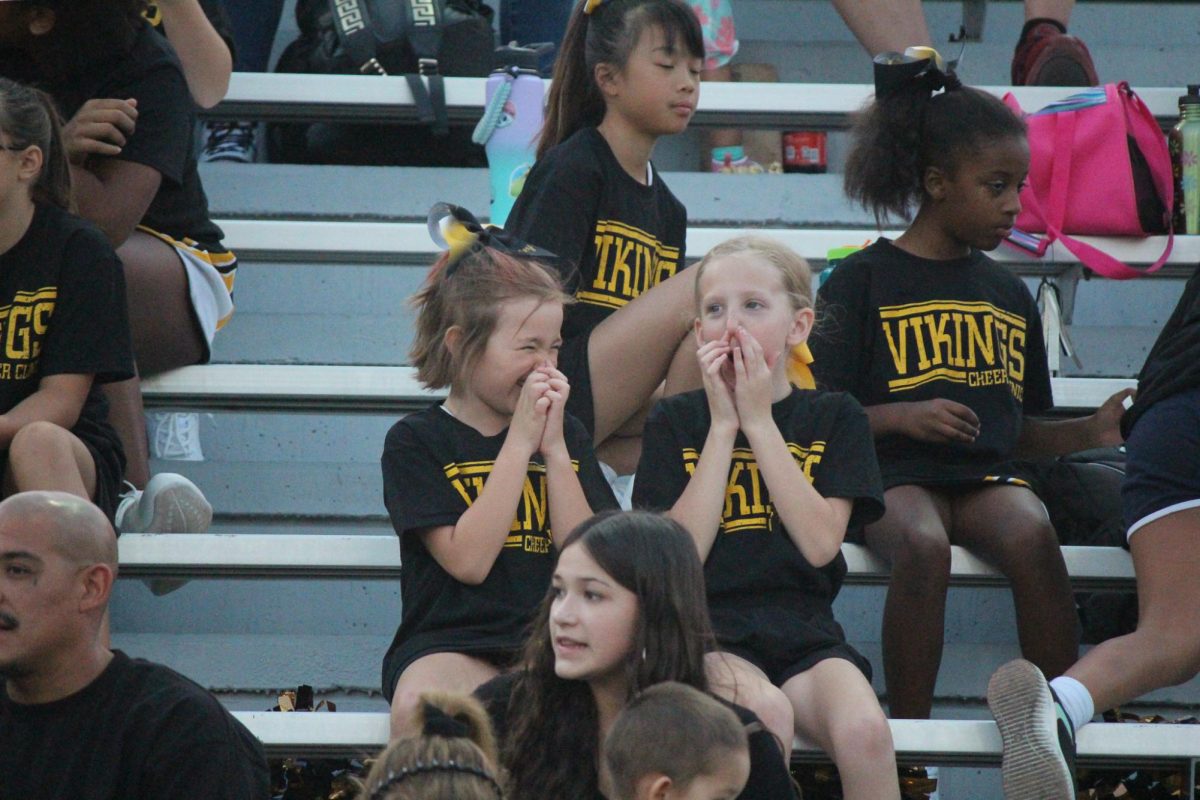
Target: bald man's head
76	529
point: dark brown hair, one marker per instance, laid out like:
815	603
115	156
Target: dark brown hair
553	723
904	132
28	118
607	36
469	297
674	730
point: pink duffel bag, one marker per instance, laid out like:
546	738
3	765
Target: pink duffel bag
1098	166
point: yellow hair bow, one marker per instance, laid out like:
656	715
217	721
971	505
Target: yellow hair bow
591	5
799	369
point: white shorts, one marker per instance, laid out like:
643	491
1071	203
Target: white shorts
210	282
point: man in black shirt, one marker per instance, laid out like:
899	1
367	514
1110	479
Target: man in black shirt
79	721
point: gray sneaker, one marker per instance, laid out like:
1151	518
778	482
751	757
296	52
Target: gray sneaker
1039	740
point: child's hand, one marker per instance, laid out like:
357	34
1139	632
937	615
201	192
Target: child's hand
715	370
941	421
100	127
558	392
529	417
754	384
1106	422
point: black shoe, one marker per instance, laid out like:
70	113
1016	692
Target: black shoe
1039	739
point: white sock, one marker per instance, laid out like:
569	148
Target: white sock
1076	700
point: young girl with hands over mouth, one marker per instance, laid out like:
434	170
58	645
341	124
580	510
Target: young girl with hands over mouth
478	486
767	477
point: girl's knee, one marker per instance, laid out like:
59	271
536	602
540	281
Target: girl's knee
405	701
37	439
863	734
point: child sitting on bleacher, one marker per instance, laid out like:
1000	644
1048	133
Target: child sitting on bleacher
129	139
767	477
628	73
944	348
481	488
673	742
64	317
625	612
452	755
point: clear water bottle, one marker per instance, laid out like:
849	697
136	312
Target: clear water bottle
512	120
1183	142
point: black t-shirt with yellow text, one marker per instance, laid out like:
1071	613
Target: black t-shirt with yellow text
434	468
63	311
623	237
753	562
895	327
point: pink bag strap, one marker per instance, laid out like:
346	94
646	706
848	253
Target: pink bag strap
1093	257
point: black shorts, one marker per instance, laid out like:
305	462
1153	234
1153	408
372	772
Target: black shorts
400	659
574	363
1162	466
784	648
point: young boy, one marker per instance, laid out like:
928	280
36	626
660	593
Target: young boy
673	742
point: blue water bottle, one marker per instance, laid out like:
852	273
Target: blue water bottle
512	120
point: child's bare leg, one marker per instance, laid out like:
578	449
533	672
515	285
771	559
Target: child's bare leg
165	336
45	456
630	351
836	707
1165	648
912	537
738	681
438	672
1007	526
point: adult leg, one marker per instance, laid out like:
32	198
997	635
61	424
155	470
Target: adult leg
912	537
1007	526
45	456
438	672
165	335
883	25
738	681
631	351
836	707
1165	648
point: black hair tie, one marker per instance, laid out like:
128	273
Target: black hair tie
439	723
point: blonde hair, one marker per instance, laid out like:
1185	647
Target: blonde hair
467	294
794	271
440	764
670	729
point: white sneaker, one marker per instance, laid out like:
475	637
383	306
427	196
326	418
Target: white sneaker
170	503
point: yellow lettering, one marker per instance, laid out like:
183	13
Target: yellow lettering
603	244
939	338
899	352
981	341
923	362
1016	354
734	489
16	345
621	269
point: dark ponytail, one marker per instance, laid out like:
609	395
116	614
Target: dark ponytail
607	36
908	129
29	118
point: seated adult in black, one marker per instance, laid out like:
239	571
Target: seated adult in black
626	611
77	720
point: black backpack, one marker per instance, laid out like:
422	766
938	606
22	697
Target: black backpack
1082	493
412	38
